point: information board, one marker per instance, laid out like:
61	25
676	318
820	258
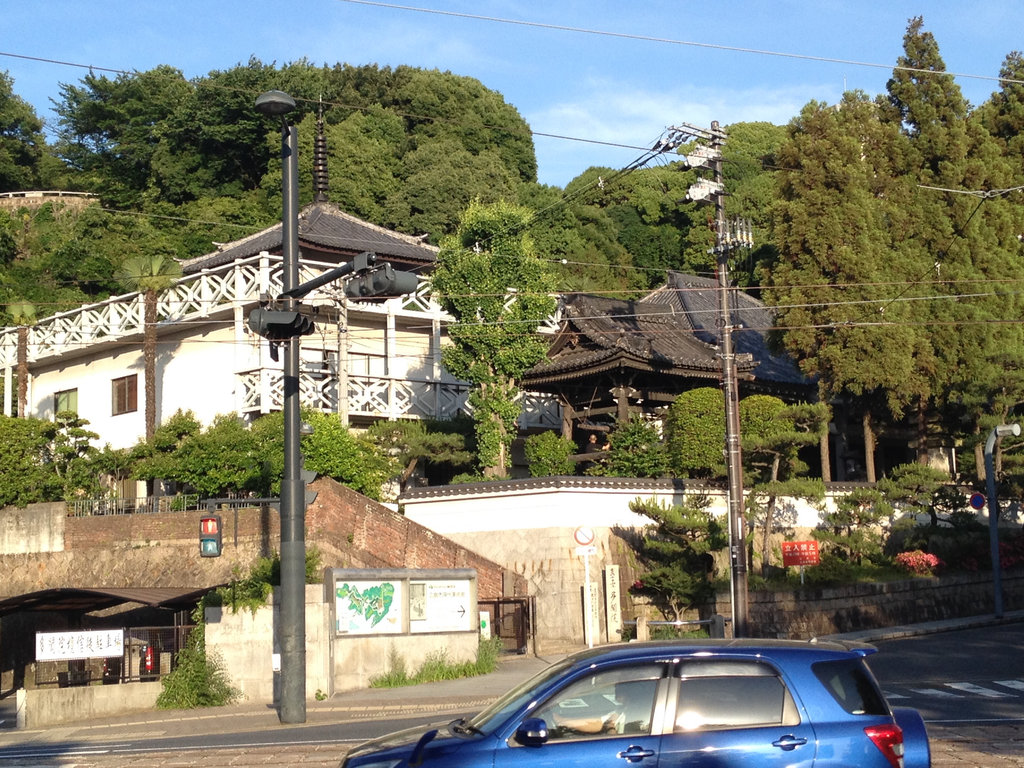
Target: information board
95	644
441	606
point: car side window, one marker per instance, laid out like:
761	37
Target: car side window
603	703
731	694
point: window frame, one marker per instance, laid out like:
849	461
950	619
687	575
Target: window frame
70	394
124	394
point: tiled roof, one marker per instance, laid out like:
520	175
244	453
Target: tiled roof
697	297
324	226
600	333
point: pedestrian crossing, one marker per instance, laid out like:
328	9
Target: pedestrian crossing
994	689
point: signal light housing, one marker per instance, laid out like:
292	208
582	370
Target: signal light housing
210	538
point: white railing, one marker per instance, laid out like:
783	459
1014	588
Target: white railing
383	397
191	297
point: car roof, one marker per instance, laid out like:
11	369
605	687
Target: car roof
769	648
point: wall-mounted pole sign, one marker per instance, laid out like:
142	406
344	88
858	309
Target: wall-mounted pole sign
584	538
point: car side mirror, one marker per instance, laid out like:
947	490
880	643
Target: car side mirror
532	732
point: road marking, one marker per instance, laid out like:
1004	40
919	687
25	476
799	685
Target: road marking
979	690
936	693
893	696
1017	685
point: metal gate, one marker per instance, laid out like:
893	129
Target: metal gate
511	621
148	654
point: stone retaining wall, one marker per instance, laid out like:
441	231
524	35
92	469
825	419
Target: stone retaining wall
817	611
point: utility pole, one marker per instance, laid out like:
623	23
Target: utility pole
727	238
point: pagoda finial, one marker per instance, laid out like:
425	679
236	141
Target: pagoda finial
320	158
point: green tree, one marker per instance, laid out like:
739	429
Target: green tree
547	454
492	282
842	283
73	455
676	552
24	316
150	274
695	433
913	489
636	450
854	529
426	443
774	434
22	145
353	460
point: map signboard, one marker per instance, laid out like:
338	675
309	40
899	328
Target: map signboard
368	607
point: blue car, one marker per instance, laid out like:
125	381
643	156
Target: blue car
700	704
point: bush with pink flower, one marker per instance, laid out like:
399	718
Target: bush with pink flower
918	562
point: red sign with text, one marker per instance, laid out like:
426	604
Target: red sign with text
799	553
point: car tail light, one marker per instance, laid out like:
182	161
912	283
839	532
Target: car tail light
888	739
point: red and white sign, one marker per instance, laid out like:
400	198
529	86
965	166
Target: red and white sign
584	536
799	553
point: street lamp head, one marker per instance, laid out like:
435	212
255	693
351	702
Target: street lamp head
274	103
1005	430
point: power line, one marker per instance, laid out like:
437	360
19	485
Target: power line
671	41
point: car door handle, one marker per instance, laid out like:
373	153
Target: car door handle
789	742
635	754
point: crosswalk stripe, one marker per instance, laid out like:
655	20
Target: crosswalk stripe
936	693
979	690
1017	685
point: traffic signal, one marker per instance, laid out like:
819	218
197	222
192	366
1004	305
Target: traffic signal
210	536
383	281
279	324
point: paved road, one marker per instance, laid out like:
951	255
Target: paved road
249	735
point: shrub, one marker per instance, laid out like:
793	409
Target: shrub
918	562
548	454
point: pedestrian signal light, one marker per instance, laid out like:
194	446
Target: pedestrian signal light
210	536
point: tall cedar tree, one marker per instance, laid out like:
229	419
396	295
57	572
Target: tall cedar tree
967	244
843	205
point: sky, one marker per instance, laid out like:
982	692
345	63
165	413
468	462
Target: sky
597	80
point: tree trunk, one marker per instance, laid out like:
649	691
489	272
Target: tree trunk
922	433
826	459
869	445
149	361
979	455
22	371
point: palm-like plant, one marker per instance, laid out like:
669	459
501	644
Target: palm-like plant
23	314
150	274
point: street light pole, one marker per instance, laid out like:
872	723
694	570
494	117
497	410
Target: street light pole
1001	430
292	598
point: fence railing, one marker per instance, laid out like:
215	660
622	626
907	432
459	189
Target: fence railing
715	626
183	502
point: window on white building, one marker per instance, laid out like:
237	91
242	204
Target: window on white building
65	400
124	395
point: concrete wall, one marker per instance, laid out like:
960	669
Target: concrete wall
245	643
43	707
35	528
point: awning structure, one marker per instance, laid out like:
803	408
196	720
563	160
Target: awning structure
87	600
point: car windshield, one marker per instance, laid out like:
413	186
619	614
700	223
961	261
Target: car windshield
496	714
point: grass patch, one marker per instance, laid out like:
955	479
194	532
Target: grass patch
437	666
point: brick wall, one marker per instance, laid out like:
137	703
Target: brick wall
162	550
